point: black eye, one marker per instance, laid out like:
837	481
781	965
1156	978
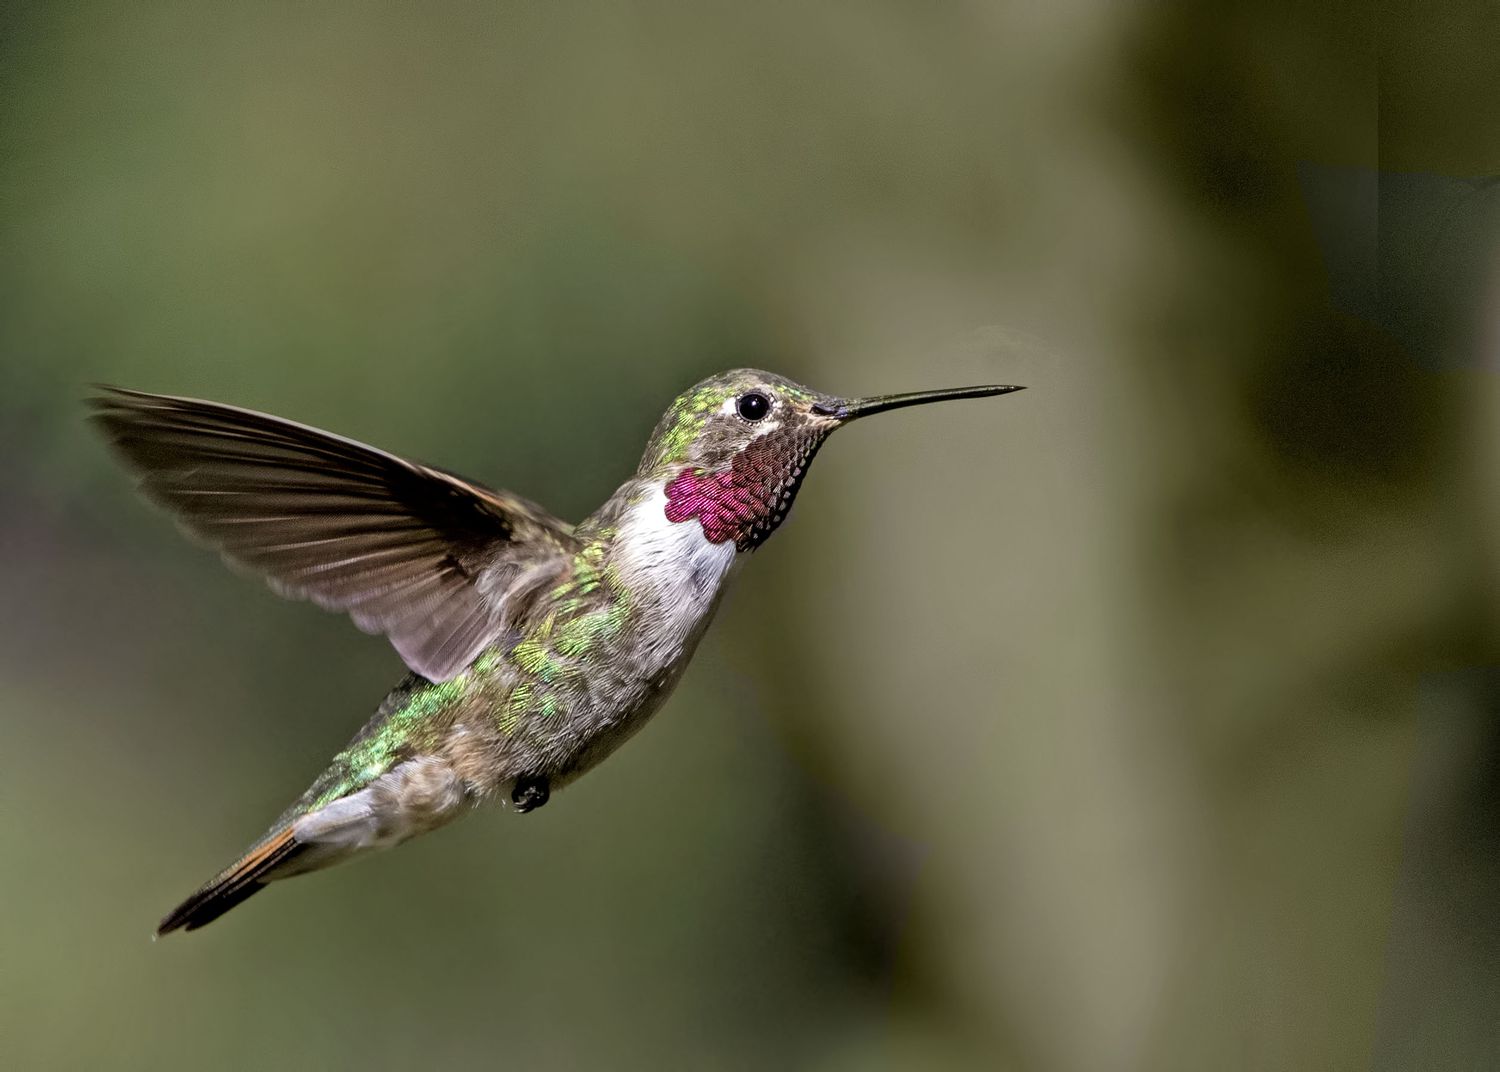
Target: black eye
753	406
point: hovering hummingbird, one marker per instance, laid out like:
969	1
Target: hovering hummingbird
536	647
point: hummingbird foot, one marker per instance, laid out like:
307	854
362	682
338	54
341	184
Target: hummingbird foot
530	794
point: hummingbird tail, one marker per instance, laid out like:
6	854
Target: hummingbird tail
241	880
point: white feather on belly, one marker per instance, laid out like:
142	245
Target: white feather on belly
411	798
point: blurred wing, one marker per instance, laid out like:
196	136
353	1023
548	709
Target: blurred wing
415	553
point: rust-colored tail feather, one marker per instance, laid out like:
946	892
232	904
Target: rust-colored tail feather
240	880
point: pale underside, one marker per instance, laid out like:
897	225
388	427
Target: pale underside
675	578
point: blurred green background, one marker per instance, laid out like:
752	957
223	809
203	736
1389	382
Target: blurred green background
1145	720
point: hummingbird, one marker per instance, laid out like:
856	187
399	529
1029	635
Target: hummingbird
535	647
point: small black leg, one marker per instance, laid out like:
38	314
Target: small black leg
529	794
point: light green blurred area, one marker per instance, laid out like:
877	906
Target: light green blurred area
1143	720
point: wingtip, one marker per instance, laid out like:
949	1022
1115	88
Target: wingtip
108	394
99	395
106	401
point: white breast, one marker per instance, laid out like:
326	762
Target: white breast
672	568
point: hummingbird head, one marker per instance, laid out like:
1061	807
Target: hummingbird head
732	451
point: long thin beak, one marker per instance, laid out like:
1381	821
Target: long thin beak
852	408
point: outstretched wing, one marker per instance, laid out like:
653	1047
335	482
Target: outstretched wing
427	558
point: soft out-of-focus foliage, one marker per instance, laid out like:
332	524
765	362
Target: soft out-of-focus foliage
1140	721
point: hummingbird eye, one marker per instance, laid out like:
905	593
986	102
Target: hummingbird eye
753	406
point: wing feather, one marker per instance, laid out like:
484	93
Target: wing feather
419	554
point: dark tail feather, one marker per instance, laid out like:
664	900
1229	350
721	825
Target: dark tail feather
239	881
